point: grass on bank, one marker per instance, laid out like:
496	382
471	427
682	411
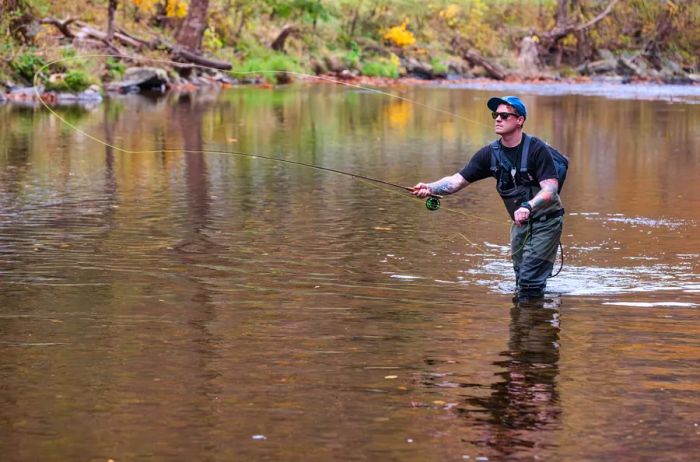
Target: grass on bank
60	69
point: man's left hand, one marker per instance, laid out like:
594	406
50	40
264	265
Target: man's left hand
522	215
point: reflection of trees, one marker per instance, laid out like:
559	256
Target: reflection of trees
525	402
197	247
187	114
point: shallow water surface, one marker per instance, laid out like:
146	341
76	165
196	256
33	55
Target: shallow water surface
198	305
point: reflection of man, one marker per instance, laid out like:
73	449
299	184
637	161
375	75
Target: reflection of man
531	196
525	402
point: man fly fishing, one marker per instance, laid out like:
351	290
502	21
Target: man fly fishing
529	175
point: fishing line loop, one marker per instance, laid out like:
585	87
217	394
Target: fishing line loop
432	202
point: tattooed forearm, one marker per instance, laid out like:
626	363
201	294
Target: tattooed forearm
448	185
547	195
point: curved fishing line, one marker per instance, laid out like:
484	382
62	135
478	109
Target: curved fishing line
248	155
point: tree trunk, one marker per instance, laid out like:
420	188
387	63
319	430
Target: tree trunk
190	34
278	44
550	40
110	19
240	11
353	24
664	26
528	62
562	19
562	12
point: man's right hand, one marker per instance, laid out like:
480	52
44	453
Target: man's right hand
421	190
521	216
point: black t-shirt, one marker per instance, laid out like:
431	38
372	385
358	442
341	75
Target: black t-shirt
540	165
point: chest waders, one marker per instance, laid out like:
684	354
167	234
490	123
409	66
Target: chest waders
533	247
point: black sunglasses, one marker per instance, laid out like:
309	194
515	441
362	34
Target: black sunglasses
504	115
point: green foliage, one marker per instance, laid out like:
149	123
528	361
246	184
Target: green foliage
211	40
73	81
242	30
77	81
27	64
567	72
380	68
42	7
16	17
353	55
310	10
270	67
439	68
115	69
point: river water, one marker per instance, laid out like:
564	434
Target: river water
164	305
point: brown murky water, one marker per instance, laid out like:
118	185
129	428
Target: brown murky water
201	306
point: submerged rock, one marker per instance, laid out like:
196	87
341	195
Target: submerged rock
611	79
418	69
457	68
602	66
334	64
137	79
25	93
91	95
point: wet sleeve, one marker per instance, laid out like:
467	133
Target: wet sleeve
543	166
479	166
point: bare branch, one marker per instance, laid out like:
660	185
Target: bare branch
598	18
60	25
278	43
562	31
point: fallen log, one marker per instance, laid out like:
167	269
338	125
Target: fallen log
201	60
60	25
494	70
87	31
148	44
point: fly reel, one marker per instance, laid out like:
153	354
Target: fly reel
432	203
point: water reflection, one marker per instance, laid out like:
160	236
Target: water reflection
192	300
523	409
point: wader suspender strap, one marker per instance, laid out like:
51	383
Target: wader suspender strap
495	156
498	158
523	158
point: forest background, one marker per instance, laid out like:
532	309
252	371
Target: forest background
657	40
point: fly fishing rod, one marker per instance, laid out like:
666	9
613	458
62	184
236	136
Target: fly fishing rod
432	202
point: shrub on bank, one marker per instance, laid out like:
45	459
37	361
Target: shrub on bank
272	68
380	68
115	69
27	64
73	81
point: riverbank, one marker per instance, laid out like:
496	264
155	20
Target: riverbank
612	87
76	47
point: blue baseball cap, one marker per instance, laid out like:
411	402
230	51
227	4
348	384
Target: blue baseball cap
514	101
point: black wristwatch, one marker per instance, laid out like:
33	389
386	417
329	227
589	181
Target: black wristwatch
526	205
